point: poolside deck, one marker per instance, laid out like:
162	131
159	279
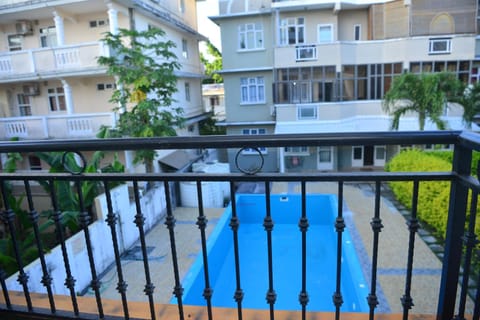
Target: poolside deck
359	211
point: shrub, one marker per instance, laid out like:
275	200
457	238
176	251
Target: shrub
433	196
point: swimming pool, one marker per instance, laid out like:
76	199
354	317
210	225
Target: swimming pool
286	239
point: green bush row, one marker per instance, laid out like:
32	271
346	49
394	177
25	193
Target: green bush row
433	196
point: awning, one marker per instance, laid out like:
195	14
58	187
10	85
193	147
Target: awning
177	160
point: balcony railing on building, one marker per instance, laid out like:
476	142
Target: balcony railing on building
45	62
459	247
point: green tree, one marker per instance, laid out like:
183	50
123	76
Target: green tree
144	68
470	101
212	66
425	94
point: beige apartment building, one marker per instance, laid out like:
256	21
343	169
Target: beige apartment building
304	66
51	86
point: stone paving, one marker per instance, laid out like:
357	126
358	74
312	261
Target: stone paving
358	211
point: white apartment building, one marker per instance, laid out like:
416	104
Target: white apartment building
303	66
51	86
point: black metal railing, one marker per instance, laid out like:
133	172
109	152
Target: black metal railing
459	247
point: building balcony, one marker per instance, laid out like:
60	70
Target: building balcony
47	63
395	275
376	51
54	127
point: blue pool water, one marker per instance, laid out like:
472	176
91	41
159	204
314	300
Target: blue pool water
287	244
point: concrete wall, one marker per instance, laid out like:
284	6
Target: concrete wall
153	208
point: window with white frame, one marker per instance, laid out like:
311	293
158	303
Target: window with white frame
250	36
56	99
380	155
307	112
325	158
301	150
357	156
48	37
185	48
292	31
325	33
105	86
24	105
187	91
357	32
252	90
15	42
440	45
254	131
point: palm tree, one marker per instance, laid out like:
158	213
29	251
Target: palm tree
470	101
425	94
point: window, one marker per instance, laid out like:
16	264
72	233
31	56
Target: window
302	150
24	105
187	91
252	90
325	33
34	163
255	131
105	86
181	6
357	32
56	99
325	158
305	85
307	112
440	45
292	31
15	42
307	52
48	37
250	36
98	23
185	48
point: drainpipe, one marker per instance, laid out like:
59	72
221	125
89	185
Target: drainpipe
59	28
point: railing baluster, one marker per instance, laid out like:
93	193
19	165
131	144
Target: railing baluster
112	221
234	225
413	225
170	223
303	225
462	159
84	219
140	221
6	296
46	278
202	224
339	227
268	225
57	218
377	226
470	241
9	217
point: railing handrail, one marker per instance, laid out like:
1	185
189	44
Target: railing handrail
240	141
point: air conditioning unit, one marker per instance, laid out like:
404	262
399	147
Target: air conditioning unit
24	27
31	89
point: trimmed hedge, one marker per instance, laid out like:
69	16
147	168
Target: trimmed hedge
433	196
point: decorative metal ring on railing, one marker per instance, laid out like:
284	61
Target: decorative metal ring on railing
82	166
250	171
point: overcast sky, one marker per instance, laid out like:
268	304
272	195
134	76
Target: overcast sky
206	26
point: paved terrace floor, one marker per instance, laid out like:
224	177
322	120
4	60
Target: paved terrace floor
358	211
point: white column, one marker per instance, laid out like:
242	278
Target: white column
68	97
281	159
59	28
113	19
